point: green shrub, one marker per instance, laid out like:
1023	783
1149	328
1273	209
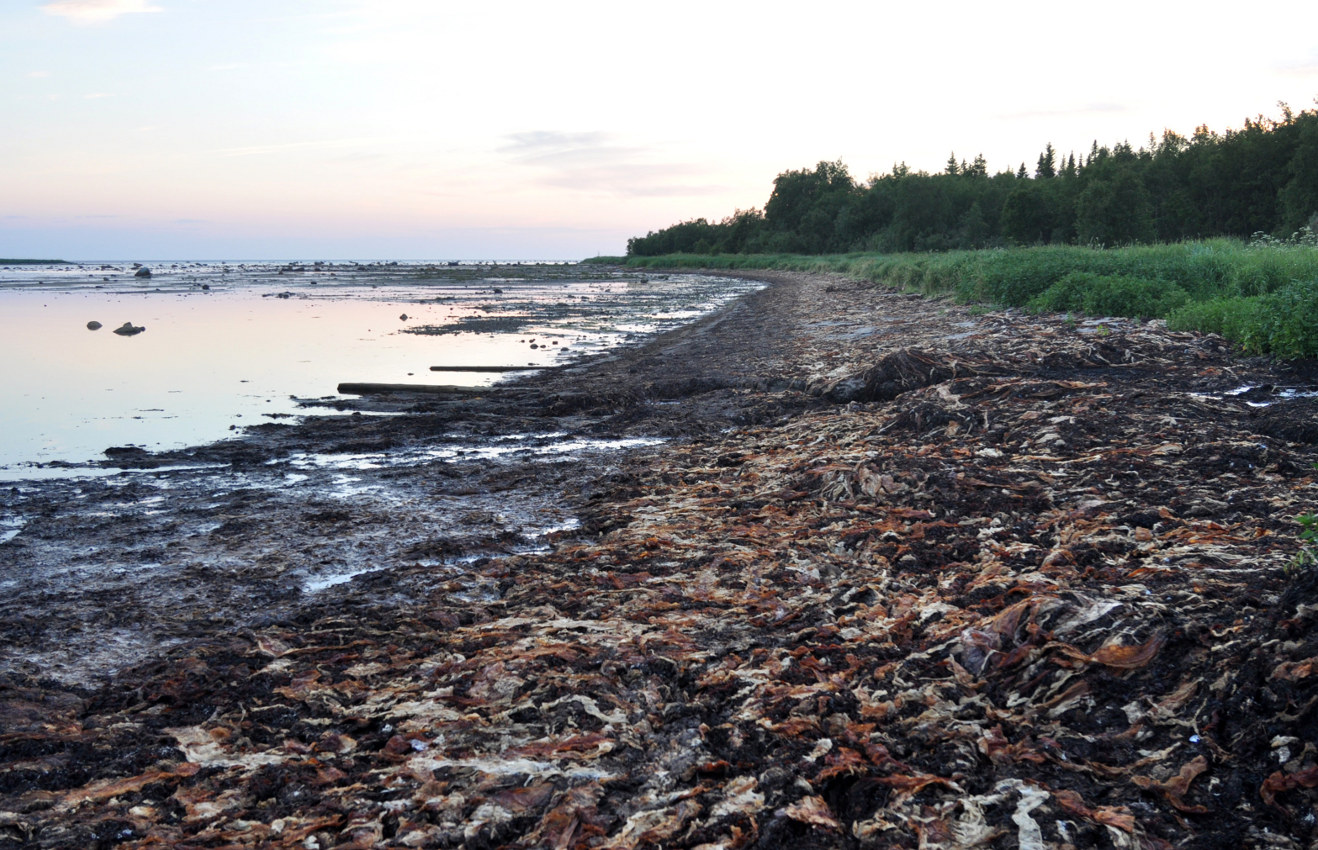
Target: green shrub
1225	316
1281	323
1307	557
1110	295
1290	320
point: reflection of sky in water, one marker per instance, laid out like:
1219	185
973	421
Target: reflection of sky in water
558	449
215	361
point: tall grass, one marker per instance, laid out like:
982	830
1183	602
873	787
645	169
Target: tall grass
1261	296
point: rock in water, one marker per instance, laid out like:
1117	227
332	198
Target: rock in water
142	272
93	325
129	329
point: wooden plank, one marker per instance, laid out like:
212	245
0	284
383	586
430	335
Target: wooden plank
370	389
486	368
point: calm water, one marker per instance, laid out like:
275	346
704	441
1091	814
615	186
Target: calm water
229	345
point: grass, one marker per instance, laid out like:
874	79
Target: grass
1261	295
1307	557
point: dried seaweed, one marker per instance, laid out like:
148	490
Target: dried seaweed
995	582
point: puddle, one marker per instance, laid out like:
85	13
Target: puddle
323	583
1259	396
10	527
559	449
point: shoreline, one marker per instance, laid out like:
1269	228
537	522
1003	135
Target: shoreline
904	570
251	347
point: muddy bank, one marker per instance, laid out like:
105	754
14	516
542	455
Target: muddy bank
903	575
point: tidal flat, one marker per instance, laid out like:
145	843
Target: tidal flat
138	528
225	346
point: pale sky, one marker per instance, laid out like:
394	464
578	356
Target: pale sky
430	129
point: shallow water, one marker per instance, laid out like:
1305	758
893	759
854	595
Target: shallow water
230	345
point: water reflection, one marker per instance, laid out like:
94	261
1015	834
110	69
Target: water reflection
227	346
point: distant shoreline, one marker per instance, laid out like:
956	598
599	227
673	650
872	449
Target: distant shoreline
11	262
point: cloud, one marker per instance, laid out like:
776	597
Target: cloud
1300	66
96	11
552	146
593	162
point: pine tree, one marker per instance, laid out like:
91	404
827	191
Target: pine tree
1047	166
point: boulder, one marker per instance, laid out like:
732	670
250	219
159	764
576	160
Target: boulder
129	329
142	272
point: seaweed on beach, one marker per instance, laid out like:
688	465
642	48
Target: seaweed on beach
908	576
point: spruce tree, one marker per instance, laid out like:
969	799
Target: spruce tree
1047	166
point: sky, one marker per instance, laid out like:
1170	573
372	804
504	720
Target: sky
508	129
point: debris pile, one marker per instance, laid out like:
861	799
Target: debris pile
956	581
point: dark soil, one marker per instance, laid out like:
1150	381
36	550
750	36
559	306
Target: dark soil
903	575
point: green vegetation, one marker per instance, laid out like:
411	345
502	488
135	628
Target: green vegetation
1307	557
1262	178
1110	295
1156	233
1261	295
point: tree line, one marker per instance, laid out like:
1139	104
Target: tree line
1260	178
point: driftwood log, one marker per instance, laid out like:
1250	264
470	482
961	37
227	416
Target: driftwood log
487	368
442	389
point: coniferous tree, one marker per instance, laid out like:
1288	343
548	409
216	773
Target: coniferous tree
1047	166
1262	177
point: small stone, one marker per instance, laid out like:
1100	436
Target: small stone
93	325
129	329
402	318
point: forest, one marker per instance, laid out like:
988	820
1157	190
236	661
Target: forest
1260	179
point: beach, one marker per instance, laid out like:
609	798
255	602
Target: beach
833	566
220	346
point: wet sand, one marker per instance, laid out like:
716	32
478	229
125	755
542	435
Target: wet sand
902	574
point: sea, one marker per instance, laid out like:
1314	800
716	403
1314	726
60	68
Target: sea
227	344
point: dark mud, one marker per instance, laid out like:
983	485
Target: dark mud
902	575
